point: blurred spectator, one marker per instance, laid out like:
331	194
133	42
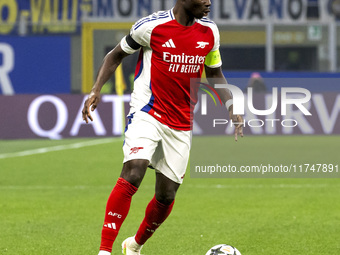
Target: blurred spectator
256	82
335	6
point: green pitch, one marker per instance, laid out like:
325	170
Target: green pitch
52	200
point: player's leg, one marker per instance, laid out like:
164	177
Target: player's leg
119	201
156	213
141	140
159	207
170	160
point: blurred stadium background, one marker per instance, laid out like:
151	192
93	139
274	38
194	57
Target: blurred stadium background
50	51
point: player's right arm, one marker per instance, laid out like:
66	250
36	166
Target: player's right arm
110	63
128	45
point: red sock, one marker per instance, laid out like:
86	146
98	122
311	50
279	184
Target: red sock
155	215
117	208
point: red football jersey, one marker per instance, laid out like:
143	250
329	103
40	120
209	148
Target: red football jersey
171	55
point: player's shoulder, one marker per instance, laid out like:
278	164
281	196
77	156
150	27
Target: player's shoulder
153	20
208	23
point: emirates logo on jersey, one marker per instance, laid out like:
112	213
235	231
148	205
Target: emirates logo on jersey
183	63
183	59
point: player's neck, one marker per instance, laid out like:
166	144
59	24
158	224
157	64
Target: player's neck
182	17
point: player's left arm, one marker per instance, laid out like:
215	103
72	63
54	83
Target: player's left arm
217	75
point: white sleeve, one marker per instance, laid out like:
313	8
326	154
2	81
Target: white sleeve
140	34
141	31
216	33
126	47
213	59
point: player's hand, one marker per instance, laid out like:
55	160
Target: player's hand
92	101
238	123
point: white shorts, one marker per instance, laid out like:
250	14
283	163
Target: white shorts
166	149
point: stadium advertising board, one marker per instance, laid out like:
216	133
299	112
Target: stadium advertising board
39	64
65	16
39	17
59	116
222	11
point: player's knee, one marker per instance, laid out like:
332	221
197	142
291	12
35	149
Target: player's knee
134	172
134	177
166	198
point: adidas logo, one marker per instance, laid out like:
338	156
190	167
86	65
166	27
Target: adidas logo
110	225
169	44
